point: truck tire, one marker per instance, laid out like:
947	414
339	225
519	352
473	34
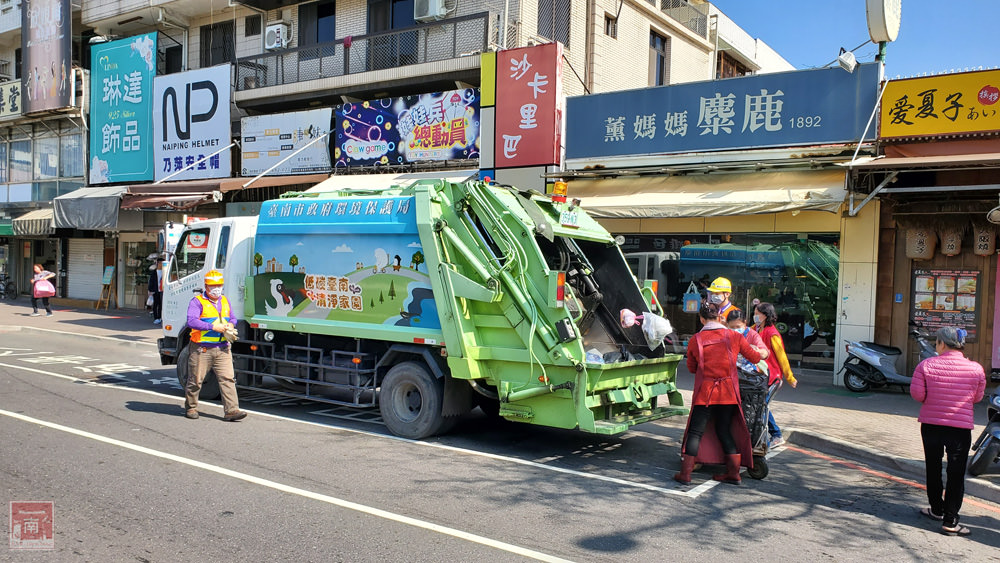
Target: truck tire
410	400
209	387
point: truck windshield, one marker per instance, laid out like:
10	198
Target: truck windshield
189	256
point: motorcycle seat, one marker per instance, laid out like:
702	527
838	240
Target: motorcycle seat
887	350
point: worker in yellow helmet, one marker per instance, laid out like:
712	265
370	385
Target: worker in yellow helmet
719	293
212	325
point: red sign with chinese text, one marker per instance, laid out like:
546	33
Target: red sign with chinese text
528	106
31	525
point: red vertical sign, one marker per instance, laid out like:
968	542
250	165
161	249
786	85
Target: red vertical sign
528	112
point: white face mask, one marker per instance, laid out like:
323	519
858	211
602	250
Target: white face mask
214	292
757	319
716	298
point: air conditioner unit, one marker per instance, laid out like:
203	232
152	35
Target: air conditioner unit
276	36
429	10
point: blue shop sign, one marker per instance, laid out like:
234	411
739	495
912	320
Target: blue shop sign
808	107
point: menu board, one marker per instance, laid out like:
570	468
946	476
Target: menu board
947	298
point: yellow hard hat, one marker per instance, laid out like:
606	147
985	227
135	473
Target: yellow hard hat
214	277
721	285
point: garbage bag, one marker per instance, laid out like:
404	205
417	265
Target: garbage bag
656	329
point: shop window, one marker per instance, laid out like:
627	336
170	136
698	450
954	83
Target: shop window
71	156
45	191
46	158
20	161
796	273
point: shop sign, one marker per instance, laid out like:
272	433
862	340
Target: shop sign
191	122
806	107
947	298
426	127
10	99
949	104
121	107
269	139
528	112
996	320
47	44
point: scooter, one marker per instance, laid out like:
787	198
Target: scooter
987	446
873	365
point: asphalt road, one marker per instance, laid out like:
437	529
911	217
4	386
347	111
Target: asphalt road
97	427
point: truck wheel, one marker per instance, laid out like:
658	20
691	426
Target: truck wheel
410	400
209	387
984	456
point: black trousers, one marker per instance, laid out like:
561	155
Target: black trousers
955	443
157	305
45	303
722	415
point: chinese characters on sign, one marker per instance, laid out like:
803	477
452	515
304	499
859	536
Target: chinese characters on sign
31	525
47	44
439	126
10	98
332	292
528	116
190	123
968	102
121	124
784	109
267	139
947	298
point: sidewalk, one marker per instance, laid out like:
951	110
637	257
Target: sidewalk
878	427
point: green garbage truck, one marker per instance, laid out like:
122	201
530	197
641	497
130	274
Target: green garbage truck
427	300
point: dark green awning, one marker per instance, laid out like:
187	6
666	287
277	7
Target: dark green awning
6	229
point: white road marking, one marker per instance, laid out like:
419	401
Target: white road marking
437	528
67	333
688	493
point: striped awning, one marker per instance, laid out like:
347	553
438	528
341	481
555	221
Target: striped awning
34	223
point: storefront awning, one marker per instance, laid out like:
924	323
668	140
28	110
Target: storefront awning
34	223
6	229
373	181
88	208
192	193
942	161
711	195
178	201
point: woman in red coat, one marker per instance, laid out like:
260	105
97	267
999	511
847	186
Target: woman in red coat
716	431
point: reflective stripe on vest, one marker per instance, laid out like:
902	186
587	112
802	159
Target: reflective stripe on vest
210	314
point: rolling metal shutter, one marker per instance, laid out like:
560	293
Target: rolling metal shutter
86	267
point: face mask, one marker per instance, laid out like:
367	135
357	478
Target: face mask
758	319
215	292
737	330
716	298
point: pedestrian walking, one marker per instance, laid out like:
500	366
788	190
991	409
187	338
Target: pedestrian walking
42	288
716	431
948	385
212	326
764	318
155	288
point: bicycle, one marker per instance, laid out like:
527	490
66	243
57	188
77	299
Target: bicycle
8	289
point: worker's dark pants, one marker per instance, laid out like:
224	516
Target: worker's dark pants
722	415
955	443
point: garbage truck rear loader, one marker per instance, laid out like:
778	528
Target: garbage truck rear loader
428	300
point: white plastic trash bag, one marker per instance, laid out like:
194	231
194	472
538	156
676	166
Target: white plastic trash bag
655	328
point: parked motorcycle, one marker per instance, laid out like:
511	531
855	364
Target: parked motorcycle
873	365
987	447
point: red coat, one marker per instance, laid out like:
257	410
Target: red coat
711	357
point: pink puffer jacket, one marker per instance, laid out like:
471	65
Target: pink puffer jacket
949	386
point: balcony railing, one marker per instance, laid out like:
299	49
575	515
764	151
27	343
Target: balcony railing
447	39
689	15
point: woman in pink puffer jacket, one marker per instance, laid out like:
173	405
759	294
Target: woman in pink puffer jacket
948	385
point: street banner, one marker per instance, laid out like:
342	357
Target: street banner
190	122
47	47
121	106
267	139
528	107
426	127
806	107
10	99
967	102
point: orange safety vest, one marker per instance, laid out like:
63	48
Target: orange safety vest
210	314
725	312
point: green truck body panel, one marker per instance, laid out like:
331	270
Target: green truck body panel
473	271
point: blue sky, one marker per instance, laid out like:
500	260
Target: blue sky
934	36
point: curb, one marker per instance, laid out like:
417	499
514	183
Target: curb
974	487
121	341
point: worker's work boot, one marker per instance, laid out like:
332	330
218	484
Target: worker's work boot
191	413
732	474
684	475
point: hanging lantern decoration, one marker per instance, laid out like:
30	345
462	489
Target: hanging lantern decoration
921	241
951	238
984	236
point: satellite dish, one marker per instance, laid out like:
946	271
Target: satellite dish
883	19
993	215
